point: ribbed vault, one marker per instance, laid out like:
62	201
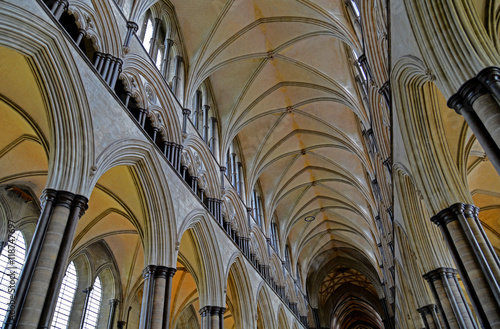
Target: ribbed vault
282	78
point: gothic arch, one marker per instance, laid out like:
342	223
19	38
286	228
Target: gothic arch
420	123
236	211
465	50
159	234
199	151
210	277
241	287
144	71
265	309
259	245
71	135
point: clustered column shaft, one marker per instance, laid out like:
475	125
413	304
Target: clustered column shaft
475	259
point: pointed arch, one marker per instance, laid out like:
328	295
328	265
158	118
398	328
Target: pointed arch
206	249
238	282
159	235
71	135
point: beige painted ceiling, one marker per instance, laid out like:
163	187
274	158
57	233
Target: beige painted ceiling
283	85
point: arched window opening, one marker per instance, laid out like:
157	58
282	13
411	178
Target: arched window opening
288	263
148	33
65	299
234	167
93	306
257	206
11	262
203	116
274	236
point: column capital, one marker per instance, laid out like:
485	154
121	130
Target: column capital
204	311
427	309
450	214
149	271
186	111
361	58
384	88
114	301
438	273
489	76
223	169
471	90
215	310
132	26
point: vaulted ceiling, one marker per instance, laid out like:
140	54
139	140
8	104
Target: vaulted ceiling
282	76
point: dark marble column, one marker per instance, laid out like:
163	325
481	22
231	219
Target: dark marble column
185	115
197	109
240	178
385	91
166	57
481	112
59	7
387	316
430	317
449	298
46	260
112	312
222	180
155	310
175	80
206	126
153	42
316	317
475	259
212	317
213	135
132	27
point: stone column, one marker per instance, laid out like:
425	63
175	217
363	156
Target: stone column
387	320
449	299
155	310
112	311
240	178
363	63
222	310
206	126
176	78
132	28
222	173
147	297
153	42
46	260
385	91
185	115
213	135
166	57
197	108
482	113
475	259
205	318
59	7
87	292
316	317
234	169
212	317
170	271
430	317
